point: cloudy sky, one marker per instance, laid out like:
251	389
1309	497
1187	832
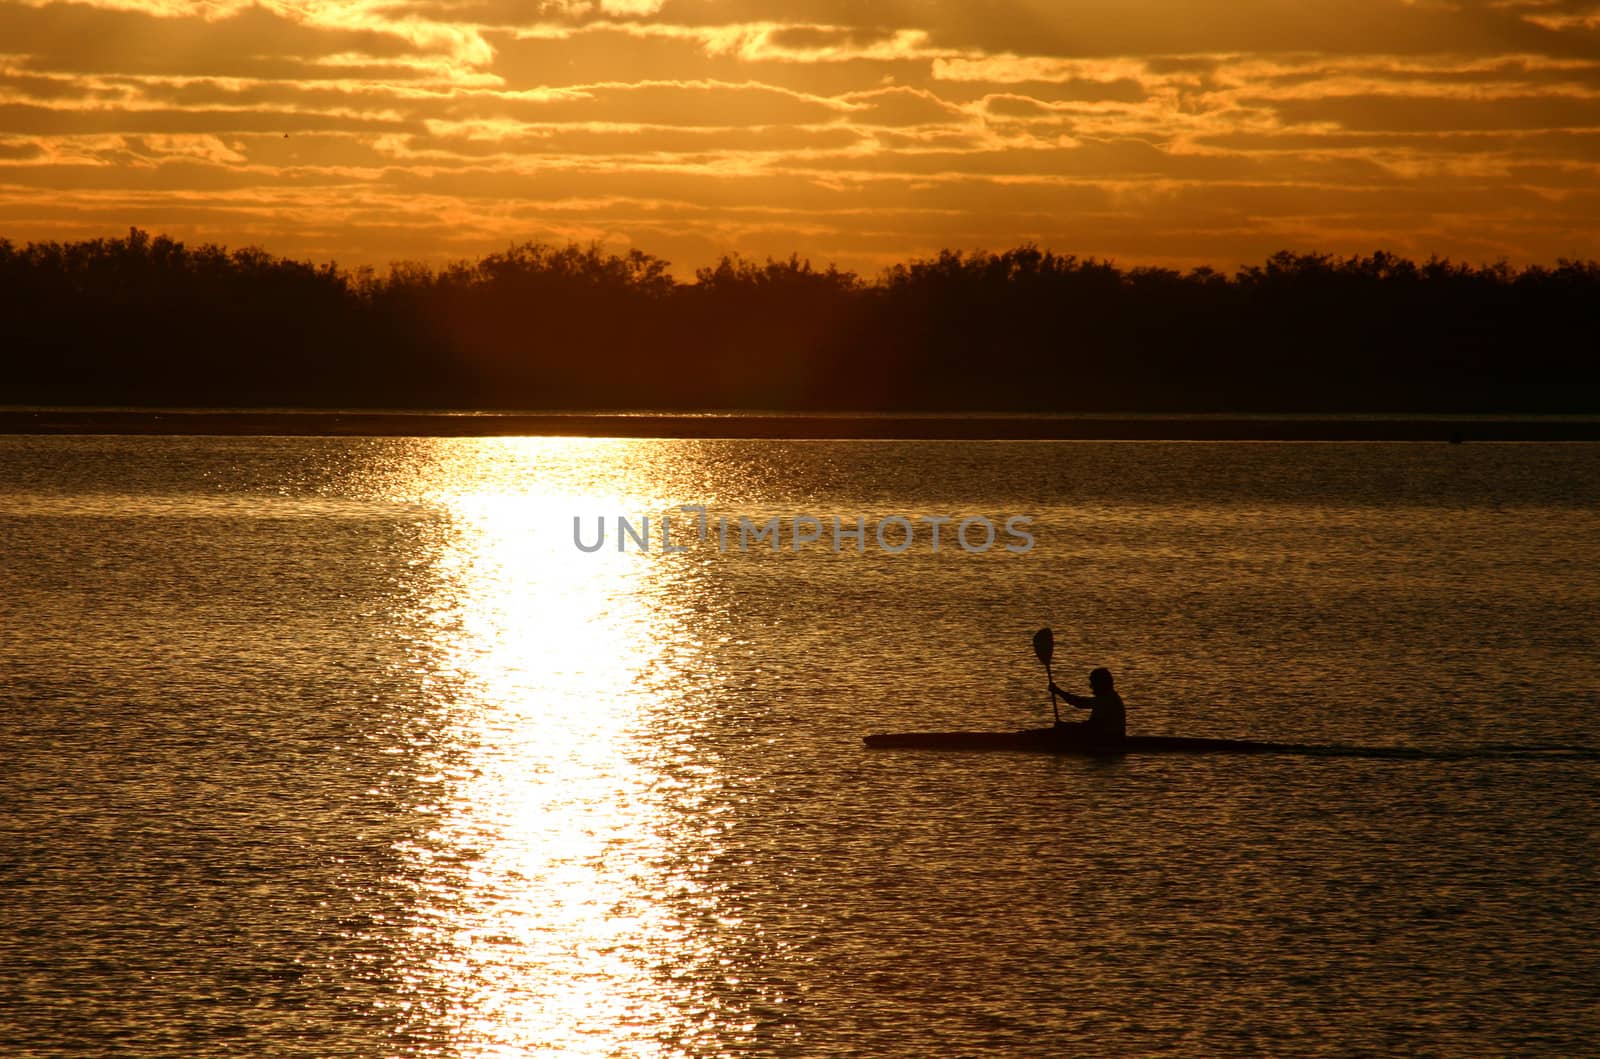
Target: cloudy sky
853	131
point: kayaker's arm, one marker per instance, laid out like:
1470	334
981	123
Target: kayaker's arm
1077	700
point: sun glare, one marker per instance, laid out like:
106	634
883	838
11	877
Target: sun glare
546	928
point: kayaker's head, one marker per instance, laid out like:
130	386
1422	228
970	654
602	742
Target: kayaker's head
1100	681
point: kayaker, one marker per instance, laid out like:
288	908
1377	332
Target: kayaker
1107	718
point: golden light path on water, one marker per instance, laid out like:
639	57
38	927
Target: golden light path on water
552	893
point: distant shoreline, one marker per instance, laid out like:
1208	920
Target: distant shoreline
756	426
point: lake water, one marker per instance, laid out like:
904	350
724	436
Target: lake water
317	747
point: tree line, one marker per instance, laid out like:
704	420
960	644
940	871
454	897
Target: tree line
146	320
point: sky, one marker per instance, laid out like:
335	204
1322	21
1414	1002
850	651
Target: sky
855	132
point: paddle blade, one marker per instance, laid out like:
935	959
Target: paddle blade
1044	645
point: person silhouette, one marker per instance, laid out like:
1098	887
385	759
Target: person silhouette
1107	716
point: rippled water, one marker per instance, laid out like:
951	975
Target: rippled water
342	748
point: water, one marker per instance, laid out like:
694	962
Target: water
341	748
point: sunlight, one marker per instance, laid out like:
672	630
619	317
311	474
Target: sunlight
544	923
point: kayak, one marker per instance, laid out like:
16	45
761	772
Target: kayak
1047	740
1050	741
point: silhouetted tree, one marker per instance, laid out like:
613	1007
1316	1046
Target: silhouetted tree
146	320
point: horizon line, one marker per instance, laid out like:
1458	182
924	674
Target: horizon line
794	260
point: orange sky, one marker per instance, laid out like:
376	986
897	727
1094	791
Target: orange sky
853	131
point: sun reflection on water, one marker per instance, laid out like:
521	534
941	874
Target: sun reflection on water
550	893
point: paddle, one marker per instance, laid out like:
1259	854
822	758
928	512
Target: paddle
1044	645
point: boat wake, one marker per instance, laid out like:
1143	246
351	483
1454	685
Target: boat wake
1492	752
1500	752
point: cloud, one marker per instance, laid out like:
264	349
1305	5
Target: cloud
19	150
578	9
901	106
1136	128
700	104
1007	69
1399	113
1101	28
245	41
